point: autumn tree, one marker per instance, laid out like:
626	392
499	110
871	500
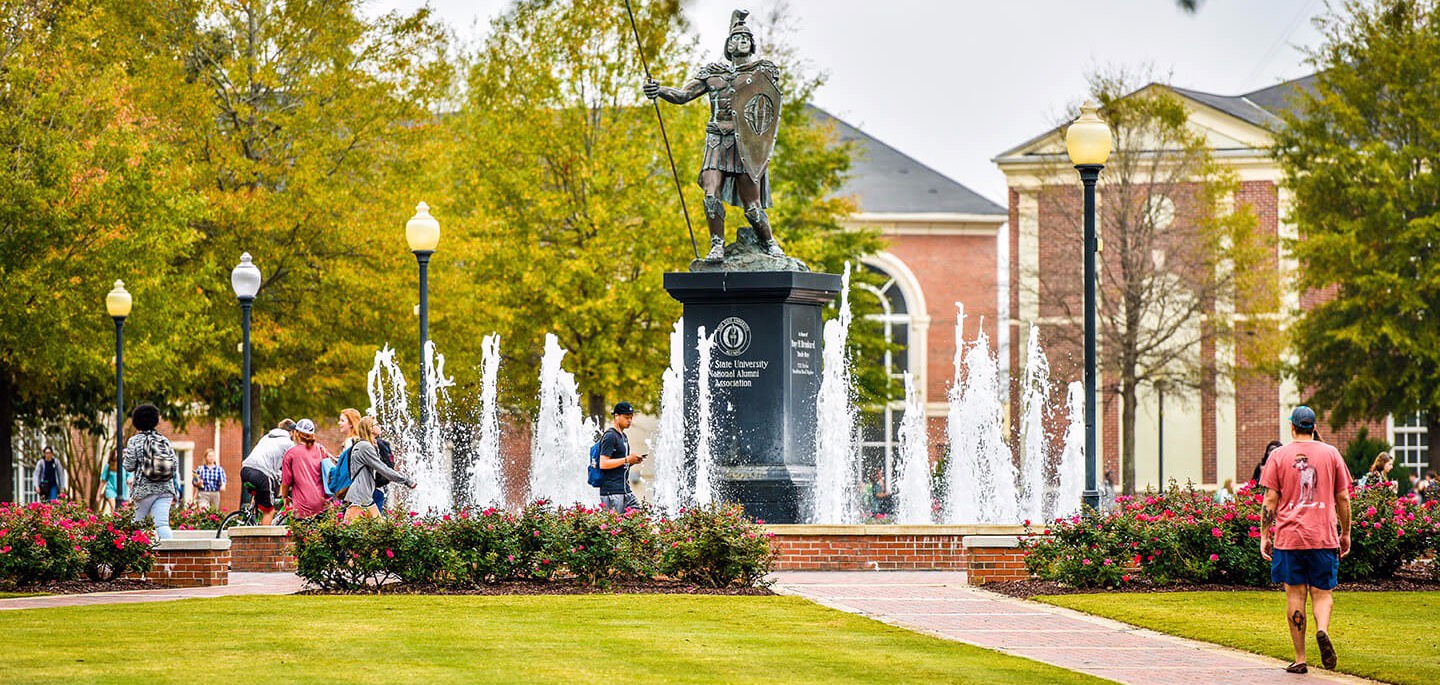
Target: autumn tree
1183	268
1362	155
92	195
302	121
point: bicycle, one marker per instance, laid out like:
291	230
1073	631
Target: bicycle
249	515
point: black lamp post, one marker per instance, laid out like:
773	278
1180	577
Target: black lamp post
117	303
1088	142
422	231
245	280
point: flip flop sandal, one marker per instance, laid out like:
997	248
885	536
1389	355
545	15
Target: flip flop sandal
1327	650
1297	668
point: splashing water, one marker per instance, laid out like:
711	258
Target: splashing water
1035	390
430	465
837	466
1072	457
977	443
559	451
484	473
390	405
962	470
913	493
668	449
704	422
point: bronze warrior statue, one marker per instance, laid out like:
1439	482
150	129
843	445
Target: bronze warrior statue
744	114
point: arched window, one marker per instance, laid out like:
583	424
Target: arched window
880	425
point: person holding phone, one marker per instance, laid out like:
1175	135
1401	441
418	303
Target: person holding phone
616	460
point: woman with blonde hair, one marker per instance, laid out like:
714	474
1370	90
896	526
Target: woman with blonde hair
365	463
348	423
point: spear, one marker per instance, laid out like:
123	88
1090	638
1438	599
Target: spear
640	47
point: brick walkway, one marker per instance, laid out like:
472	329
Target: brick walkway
240	584
939	603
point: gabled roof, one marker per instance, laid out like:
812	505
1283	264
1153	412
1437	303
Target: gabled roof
1261	109
886	180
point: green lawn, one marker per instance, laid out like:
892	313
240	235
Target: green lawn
8	595
530	639
1390	636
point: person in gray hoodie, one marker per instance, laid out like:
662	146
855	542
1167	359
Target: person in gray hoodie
261	470
364	464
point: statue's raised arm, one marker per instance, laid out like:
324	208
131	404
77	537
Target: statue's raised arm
745	101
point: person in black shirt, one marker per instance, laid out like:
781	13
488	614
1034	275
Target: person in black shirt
615	461
1255	477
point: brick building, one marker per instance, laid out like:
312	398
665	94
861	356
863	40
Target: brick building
944	247
1219	433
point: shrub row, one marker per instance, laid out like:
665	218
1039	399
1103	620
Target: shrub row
713	546
1184	536
47	542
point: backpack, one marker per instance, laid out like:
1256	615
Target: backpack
341	476
593	474
157	466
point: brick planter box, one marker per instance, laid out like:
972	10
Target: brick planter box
192	562
876	547
994	558
260	549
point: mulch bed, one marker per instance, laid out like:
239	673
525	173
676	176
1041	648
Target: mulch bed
1404	581
655	587
80	587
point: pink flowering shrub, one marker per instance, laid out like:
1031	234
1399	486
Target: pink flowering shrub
46	542
195	516
1184	536
713	546
486	544
1387	532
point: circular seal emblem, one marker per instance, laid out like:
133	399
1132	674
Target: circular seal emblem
732	336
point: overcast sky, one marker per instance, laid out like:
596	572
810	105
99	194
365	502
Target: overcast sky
952	83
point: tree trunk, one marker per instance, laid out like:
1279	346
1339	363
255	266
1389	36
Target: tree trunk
597	408
1128	402
7	435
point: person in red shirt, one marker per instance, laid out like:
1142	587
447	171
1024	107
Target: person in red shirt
1307	498
300	473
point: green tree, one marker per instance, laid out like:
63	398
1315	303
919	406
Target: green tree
564	200
1182	271
92	194
1362	157
302	121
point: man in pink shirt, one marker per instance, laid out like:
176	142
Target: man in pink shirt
1307	496
300	473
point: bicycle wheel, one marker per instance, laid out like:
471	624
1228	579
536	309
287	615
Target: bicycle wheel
240	517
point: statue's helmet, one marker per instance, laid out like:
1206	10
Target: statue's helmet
738	27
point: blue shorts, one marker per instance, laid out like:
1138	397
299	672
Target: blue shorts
1318	568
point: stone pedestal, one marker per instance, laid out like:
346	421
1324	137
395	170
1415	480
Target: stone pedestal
765	379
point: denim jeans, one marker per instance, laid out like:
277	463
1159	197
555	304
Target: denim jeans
157	506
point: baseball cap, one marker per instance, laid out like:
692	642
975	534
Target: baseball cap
305	426
1303	417
623	408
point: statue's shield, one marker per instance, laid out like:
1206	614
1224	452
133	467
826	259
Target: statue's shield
757	106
